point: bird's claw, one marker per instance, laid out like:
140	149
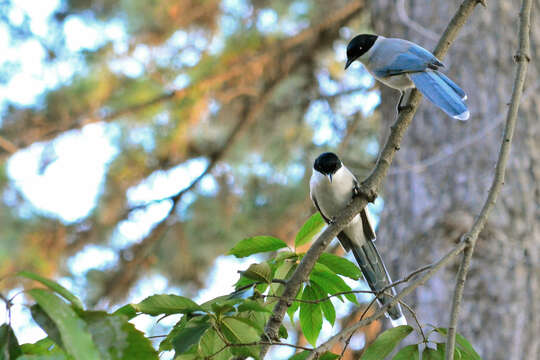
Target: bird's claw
332	220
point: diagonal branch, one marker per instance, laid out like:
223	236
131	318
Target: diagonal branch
522	58
369	187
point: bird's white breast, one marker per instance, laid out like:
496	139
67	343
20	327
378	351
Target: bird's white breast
333	197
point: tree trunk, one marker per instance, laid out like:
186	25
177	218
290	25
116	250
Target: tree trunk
442	173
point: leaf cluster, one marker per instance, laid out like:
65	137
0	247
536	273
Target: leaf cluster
226	327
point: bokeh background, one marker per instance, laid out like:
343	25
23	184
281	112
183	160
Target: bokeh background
139	140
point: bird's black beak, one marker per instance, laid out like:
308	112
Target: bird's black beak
329	177
349	62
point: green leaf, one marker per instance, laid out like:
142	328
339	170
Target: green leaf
282	255
327	307
386	342
311	228
54	286
75	336
282	272
463	344
304	354
252	305
283	333
441	349
409	352
340	265
431	354
45	347
310	316
259	272
236	331
249	322
166	304
166	344
43	357
116	338
210	344
221	304
256	244
9	346
294	306
331	283
46	323
127	310
189	335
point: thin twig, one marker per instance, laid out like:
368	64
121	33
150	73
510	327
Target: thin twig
522	58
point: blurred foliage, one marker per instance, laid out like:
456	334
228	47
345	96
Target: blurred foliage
247	87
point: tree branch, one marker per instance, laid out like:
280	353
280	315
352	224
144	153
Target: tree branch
522	58
368	188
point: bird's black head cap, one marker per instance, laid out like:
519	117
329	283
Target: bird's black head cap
358	46
327	163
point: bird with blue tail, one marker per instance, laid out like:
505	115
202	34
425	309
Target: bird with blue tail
401	64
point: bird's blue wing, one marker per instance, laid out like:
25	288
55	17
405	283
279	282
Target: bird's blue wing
412	58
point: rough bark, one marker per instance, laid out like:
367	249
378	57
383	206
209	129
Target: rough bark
442	173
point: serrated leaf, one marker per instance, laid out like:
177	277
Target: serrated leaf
304	354
310	316
127	310
44	357
327	307
259	272
311	228
75	336
166	304
43	347
248	322
386	342
210	344
282	255
252	305
9	346
340	265
221	304
243	282
166	344
409	352
462	343
255	245
331	283
189	335
236	331
116	338
54	286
